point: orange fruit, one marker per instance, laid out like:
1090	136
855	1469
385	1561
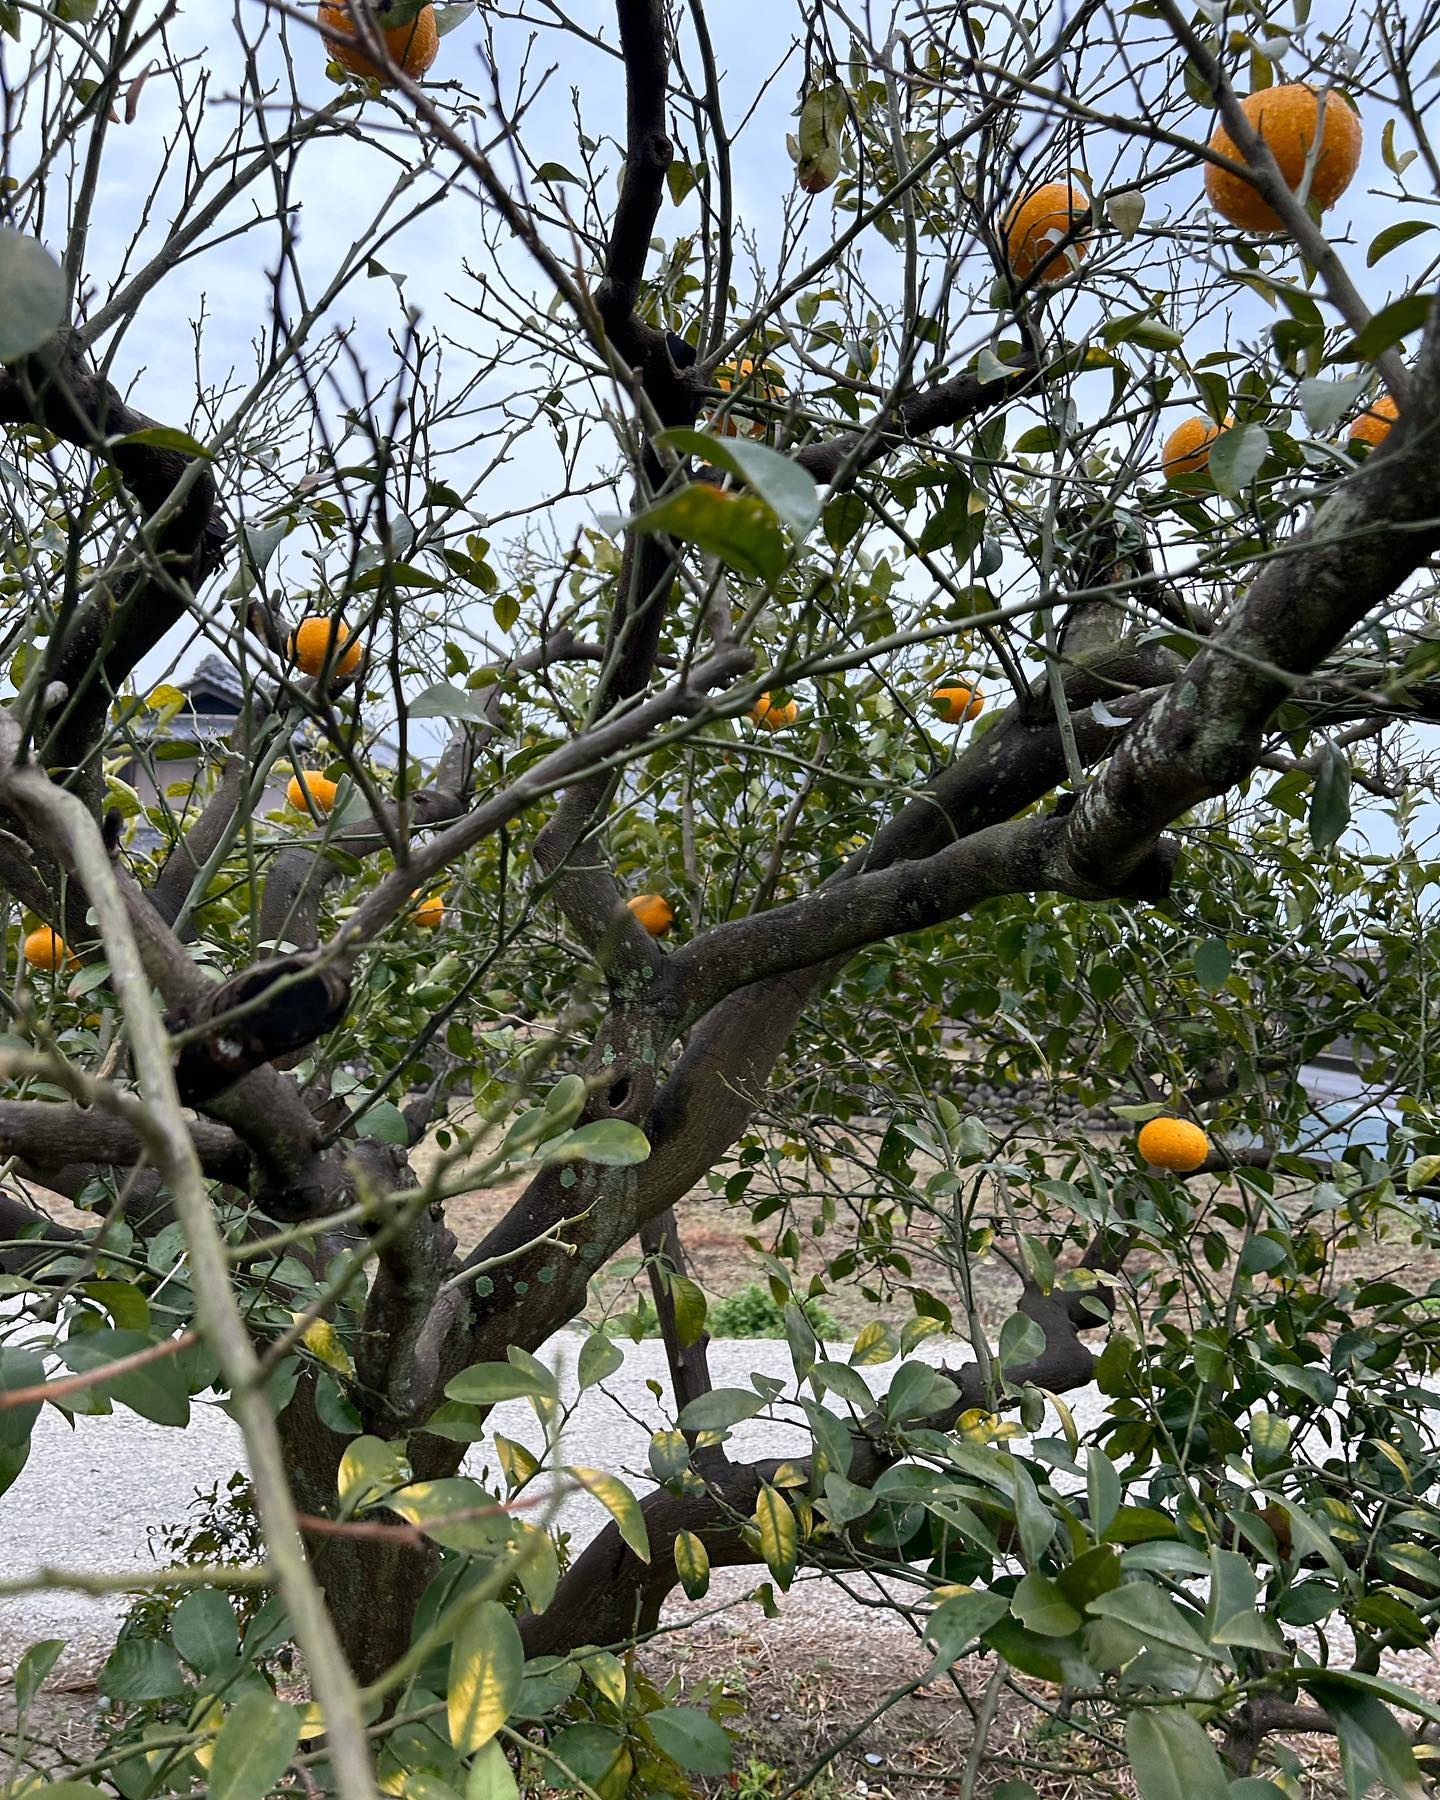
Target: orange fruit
1287	118
1373	425
654	912
1034	226
321	789
955	704
1187	449
46	949
1173	1144
770	385
431	910
310	644
413	46
772	717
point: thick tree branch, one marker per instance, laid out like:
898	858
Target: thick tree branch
614	1593
57	389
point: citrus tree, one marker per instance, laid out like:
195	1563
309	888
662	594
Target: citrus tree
753	694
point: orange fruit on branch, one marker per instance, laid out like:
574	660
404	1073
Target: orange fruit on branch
955	704
1173	1144
770	716
45	949
311	642
1289	120
413	45
1187	449
1373	425
321	789
1036	223
430	912
769	386
654	912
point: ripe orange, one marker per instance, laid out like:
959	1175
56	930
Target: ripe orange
1373	425
1288	120
654	912
413	46
310	644
1173	1144
957	703
1187	449
772	717
321	789
769	385
46	949
430	912
1036	223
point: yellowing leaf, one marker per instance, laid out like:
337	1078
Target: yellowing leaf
779	1536
620	1503
487	1665
692	1564
324	1343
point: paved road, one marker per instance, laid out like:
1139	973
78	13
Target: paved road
90	1495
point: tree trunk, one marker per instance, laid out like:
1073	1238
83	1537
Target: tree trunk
372	1588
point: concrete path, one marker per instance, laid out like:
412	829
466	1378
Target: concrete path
91	1495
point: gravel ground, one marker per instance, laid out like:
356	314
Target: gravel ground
91	1494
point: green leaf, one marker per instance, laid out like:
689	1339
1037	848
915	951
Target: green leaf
157	1391
613	1143
691	1307
140	1669
385	1122
491	1777
18	1369
918	1391
254	1747
1236	456
1021	1341
692	1564
739	528
788	490
1330	800
1172	1757
1393	236
1233	1617
1327	402
692	1739
1040	1606
1152	1614
598	1359
779	1534
165	437
957	1622
32	295
621	1505
487	1384
1212	963
1103	1490
720	1409
1398	320
845	517
204	1631
443	700
32	1668
487	1665
556	172
1373	1747
848	1383
822	125
593	1755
